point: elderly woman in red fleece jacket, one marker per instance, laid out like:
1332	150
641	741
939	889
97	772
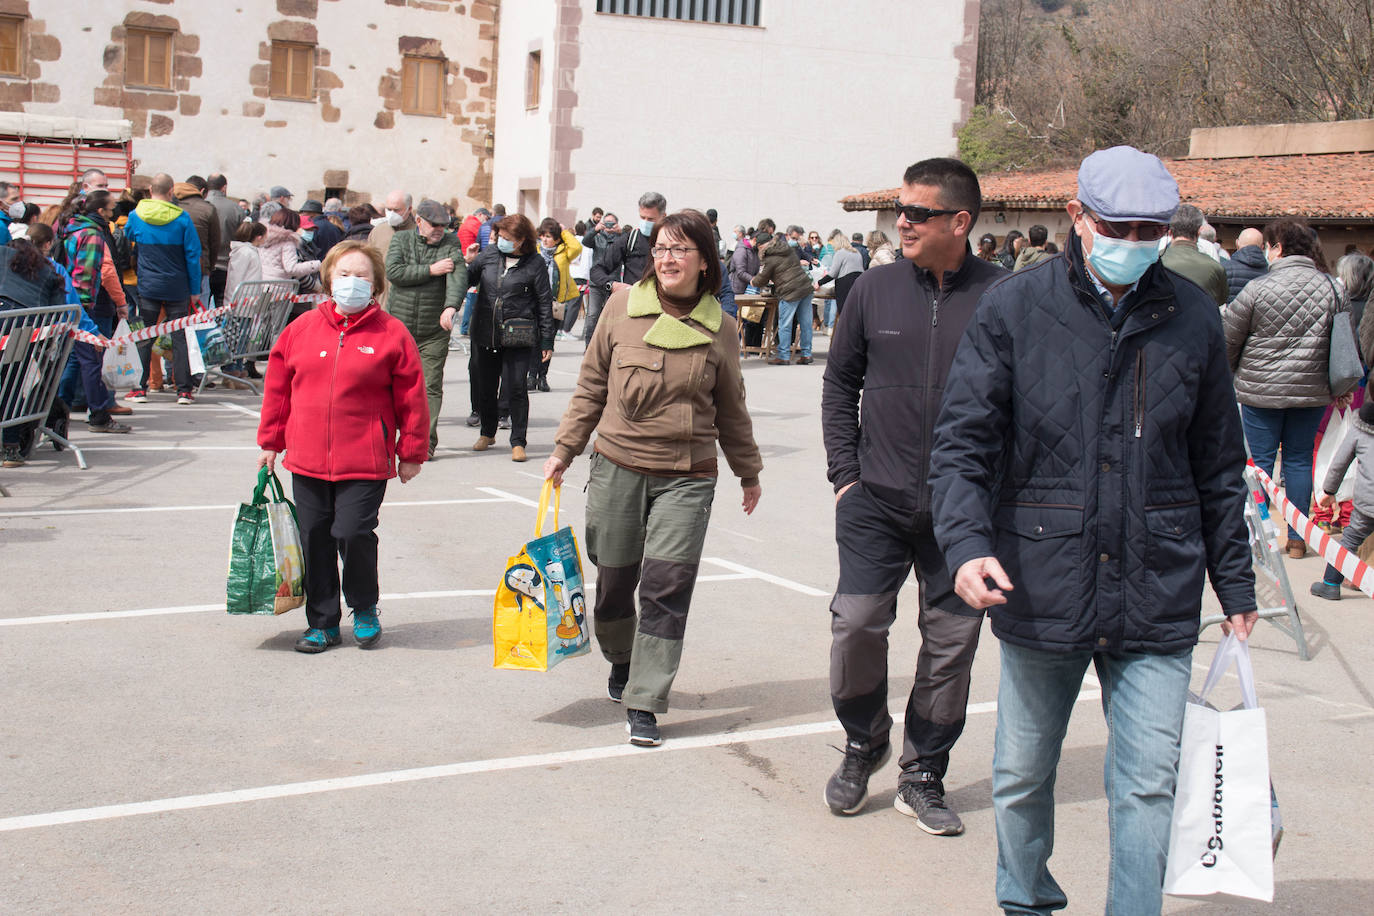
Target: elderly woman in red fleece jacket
345	399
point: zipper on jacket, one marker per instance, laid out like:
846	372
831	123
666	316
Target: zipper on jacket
935	310
333	373
1139	392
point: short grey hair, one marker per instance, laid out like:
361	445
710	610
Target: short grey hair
654	201
266	210
797	229
1208	232
1187	222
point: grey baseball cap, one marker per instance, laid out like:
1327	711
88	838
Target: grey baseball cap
279	191
1123	184
432	212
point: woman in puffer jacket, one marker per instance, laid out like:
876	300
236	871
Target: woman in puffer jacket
280	253
1278	340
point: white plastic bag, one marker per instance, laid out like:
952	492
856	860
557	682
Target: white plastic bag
122	368
193	352
1226	826
1336	429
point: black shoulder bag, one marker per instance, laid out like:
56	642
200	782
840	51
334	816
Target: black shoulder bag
515	333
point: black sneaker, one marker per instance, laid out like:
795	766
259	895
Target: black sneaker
643	728
847	789
542	384
923	797
615	684
14	458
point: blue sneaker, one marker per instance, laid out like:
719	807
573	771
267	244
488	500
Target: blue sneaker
366	628
316	640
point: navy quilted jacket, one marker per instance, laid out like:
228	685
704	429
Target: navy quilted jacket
1098	455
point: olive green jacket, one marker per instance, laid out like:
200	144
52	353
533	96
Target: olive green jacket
416	297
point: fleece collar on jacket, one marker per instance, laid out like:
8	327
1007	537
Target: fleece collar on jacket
668	332
156	212
335	320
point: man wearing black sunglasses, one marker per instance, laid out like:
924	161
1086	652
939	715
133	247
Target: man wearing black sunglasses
893	343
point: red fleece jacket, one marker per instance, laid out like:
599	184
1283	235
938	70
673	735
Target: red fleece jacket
345	396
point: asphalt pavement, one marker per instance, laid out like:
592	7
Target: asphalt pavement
160	756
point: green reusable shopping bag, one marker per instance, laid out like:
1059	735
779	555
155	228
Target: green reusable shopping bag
266	568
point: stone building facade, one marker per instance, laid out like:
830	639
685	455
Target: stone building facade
339	97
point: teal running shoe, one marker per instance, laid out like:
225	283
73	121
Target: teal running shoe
366	628
316	640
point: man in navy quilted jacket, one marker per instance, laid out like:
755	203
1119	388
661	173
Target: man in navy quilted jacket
1087	474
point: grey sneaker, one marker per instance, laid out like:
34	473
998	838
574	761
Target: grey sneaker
847	789
643	728
923	797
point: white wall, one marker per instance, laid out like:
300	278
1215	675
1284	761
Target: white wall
425	155
523	136
781	121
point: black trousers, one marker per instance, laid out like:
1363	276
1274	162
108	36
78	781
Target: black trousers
878	548
217	280
500	373
338	520
148	310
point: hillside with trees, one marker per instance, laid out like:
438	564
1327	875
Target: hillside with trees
1059	78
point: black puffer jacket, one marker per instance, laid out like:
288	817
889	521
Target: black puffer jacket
519	286
1098	458
1245	265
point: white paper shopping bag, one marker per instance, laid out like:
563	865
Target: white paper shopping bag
1223	836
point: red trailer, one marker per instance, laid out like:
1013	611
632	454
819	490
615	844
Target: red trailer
44	155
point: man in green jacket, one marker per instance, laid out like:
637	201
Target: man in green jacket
1183	257
427	273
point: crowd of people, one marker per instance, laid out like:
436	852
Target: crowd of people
1047	433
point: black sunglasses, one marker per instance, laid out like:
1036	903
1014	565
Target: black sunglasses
916	214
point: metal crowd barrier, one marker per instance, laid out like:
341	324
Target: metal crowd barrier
261	309
34	346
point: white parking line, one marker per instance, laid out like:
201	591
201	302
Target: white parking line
35	513
252	413
522	500
442	771
767	577
169	448
202	608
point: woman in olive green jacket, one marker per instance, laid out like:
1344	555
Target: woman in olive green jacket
661	385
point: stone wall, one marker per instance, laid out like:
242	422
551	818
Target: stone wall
219	114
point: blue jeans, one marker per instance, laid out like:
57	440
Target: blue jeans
799	310
1295	428
1143	696
469	301
83	370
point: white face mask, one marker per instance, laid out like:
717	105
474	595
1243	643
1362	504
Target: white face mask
351	294
394	218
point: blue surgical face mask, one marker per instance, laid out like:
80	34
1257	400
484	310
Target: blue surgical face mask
1118	262
646	226
795	243
351	294
307	235
506	246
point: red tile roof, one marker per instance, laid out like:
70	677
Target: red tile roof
1330	186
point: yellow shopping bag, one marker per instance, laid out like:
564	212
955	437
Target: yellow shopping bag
540	613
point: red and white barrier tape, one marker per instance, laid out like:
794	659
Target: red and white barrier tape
1355	572
157	330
